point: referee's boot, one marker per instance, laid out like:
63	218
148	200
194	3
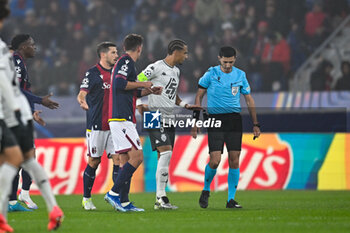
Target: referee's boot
232	204
203	200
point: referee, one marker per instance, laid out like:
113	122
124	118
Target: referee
224	84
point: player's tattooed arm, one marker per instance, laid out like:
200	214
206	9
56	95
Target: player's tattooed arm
81	98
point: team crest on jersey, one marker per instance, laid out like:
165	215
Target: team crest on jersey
234	90
18	61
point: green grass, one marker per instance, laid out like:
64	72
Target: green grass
263	211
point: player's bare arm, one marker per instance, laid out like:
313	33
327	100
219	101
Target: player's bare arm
153	90
47	102
81	98
181	103
252	112
135	85
198	102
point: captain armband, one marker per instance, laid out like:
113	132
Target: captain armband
142	77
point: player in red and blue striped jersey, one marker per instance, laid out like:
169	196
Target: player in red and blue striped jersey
24	48
123	95
94	98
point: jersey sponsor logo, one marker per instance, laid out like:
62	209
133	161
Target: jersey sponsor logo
170	88
106	85
234	90
85	83
151	120
264	164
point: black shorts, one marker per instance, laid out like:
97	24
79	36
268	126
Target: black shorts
24	136
162	137
7	139
230	133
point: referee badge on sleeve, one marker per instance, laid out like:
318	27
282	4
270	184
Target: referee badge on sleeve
234	90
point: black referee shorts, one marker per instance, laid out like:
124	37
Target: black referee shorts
25	136
163	136
7	139
230	133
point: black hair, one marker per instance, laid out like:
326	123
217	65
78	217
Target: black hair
104	47
176	44
132	41
4	9
18	40
227	51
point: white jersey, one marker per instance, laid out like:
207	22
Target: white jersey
11	96
161	74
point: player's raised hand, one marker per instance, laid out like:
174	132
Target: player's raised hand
193	107
38	118
195	131
156	90
47	102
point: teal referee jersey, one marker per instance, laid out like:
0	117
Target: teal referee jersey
224	89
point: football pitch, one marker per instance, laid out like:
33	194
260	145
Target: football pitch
263	211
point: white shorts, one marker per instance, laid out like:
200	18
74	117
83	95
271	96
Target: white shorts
125	136
99	141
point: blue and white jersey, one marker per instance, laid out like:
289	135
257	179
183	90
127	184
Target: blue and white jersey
224	89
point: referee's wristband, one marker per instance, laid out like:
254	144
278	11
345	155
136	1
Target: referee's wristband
182	104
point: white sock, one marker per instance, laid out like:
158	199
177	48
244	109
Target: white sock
113	193
25	192
162	172
7	174
12	202
125	204
38	174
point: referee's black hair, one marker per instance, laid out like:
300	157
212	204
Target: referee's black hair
104	47
176	44
227	51
18	40
132	41
4	9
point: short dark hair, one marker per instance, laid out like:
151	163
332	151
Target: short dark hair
18	40
4	9
227	51
104	47
176	44
132	41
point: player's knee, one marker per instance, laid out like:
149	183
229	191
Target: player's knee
94	162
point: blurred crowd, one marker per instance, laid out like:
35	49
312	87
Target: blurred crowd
273	37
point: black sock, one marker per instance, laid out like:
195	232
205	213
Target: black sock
26	180
123	182
88	179
115	173
13	194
